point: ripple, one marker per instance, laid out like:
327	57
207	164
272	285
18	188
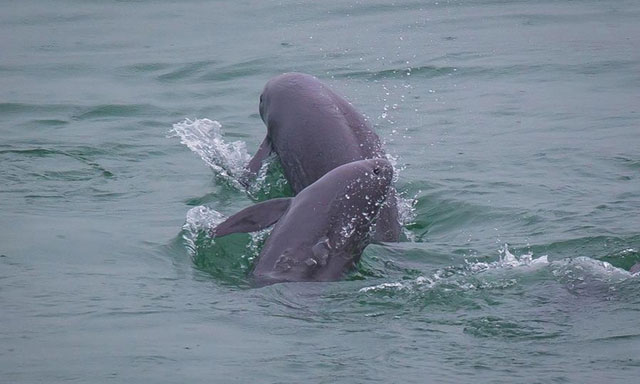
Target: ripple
427	71
118	110
78	155
145	67
21	108
237	70
496	327
185	71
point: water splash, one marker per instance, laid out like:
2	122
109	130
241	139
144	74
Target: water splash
509	260
230	258
200	220
579	274
406	212
204	137
581	269
467	277
406	205
270	181
396	169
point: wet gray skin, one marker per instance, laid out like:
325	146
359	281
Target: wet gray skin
313	130
319	234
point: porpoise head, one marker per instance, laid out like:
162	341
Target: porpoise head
281	87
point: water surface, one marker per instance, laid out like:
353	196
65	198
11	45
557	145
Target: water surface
515	126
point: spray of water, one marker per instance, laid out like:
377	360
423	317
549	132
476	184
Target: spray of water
460	277
580	273
199	220
204	137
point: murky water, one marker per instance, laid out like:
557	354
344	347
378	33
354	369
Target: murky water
515	128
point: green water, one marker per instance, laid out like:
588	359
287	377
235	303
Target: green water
512	123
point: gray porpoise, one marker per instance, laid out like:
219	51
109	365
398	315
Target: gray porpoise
319	234
313	130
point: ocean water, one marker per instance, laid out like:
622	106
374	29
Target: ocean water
515	128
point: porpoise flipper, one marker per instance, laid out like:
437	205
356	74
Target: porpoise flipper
253	218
